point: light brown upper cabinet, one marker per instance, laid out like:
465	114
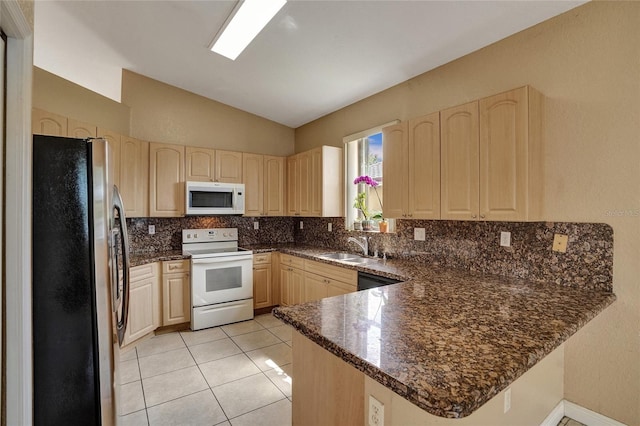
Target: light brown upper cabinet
166	180
411	152
48	123
134	176
113	140
200	164
208	165
263	176
460	162
315	183
492	158
80	130
228	166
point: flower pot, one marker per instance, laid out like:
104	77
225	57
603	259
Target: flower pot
367	225
357	225
383	225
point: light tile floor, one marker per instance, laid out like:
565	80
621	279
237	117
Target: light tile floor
237	374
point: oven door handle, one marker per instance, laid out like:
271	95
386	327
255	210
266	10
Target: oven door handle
221	259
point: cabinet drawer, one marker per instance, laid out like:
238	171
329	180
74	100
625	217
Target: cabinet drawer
261	258
175	266
348	276
138	273
293	261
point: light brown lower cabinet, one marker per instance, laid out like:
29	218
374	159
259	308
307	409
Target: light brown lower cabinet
176	292
262	281
322	280
291	280
144	302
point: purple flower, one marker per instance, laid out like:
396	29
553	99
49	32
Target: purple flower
366	179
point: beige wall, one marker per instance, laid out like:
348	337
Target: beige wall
154	111
587	63
164	113
55	94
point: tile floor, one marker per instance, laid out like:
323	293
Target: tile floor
237	374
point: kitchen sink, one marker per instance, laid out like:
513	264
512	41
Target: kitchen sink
345	257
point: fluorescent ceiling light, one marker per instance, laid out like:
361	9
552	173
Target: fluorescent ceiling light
245	22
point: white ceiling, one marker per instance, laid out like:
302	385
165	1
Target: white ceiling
313	58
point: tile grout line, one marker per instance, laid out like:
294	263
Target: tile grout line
144	398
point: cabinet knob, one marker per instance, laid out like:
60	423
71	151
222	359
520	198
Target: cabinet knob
410	214
473	216
482	216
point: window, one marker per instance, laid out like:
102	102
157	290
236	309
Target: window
363	160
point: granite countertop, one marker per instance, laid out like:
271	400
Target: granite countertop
446	340
138	259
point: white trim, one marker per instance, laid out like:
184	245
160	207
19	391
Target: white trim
588	417
19	387
555	415
364	133
579	414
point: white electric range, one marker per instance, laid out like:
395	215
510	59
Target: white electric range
221	277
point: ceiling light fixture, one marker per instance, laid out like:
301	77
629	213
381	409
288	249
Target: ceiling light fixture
248	18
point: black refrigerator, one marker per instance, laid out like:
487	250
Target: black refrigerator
80	282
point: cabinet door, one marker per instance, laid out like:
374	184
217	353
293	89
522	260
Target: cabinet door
459	162
285	285
176	299
315	182
134	177
253	177
296	291
200	164
140	321
395	154
262	286
315	287
228	166
166	180
337	288
80	130
503	156
293	185
113	140
424	167
303	192
48	123
273	195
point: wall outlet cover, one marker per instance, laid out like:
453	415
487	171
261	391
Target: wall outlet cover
152	229
376	412
505	239
419	234
256	225
301	225
329	226
560	243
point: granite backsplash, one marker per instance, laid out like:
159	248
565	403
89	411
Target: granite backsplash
168	236
472	246
475	246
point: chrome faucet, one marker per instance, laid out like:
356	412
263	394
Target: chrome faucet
362	242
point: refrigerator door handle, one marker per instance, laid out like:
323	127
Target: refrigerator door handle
121	324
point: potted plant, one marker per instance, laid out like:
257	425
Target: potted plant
361	204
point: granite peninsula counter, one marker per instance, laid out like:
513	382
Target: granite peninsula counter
445	340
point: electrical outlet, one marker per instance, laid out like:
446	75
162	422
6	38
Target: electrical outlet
152	229
329	226
256	225
505	239
560	243
301	225
507	400
419	234
376	412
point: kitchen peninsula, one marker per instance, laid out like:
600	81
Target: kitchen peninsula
446	340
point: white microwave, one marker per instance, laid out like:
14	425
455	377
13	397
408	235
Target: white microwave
214	198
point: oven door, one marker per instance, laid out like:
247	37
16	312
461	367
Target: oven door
221	279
